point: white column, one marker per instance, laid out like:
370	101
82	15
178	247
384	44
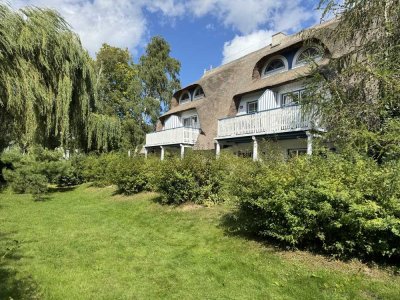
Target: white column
67	154
255	148
217	149
162	152
182	151
145	152
129	153
309	142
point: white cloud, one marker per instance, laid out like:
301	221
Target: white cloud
122	23
242	45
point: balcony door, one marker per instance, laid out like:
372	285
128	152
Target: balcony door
191	122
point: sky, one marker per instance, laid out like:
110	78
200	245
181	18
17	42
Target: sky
202	33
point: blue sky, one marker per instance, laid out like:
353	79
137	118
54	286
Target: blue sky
202	33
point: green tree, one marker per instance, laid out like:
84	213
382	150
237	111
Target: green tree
48	84
159	74
120	94
357	94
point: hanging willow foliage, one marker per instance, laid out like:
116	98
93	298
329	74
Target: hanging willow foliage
104	131
47	83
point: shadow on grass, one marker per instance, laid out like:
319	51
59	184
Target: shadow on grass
62	189
234	225
12	284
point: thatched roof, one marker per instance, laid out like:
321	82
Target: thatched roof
225	83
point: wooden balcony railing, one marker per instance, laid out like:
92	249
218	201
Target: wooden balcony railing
279	120
180	135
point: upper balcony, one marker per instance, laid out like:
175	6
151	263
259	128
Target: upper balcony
174	136
273	121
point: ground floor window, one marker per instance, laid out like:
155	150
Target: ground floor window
296	152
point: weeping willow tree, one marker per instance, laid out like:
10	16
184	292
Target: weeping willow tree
48	86
357	94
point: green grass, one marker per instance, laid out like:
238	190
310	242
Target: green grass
89	244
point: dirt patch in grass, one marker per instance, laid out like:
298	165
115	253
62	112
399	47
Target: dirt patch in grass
315	261
122	197
189	207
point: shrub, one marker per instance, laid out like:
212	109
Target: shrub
198	178
137	174
340	205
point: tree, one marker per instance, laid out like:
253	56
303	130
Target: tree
159	74
358	94
48	86
120	94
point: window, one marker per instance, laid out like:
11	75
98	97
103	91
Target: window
252	107
274	65
305	55
198	93
184	98
190	122
292	98
296	152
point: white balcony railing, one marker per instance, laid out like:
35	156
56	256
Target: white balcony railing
180	135
273	121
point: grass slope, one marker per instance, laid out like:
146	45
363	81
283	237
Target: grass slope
89	244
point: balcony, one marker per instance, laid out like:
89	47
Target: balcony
175	136
274	121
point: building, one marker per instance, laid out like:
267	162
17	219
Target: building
247	100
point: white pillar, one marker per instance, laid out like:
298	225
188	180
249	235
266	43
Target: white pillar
309	142
162	152
217	149
67	154
129	153
182	151
255	148
145	152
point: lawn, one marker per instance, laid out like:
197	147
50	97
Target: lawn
90	244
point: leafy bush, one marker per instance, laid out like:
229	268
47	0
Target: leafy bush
101	169
133	175
198	178
33	171
345	206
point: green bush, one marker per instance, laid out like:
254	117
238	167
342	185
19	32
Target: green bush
198	178
137	174
101	169
345	206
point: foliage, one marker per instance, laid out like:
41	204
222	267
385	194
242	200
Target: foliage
120	94
198	178
357	95
135	175
331	203
159	73
89	227
33	171
47	81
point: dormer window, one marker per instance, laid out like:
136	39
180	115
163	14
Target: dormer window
185	97
308	54
274	65
198	93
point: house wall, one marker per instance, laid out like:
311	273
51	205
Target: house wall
223	84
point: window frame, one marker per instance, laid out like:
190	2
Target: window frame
197	97
299	94
250	103
193	124
276	71
299	52
189	99
296	152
